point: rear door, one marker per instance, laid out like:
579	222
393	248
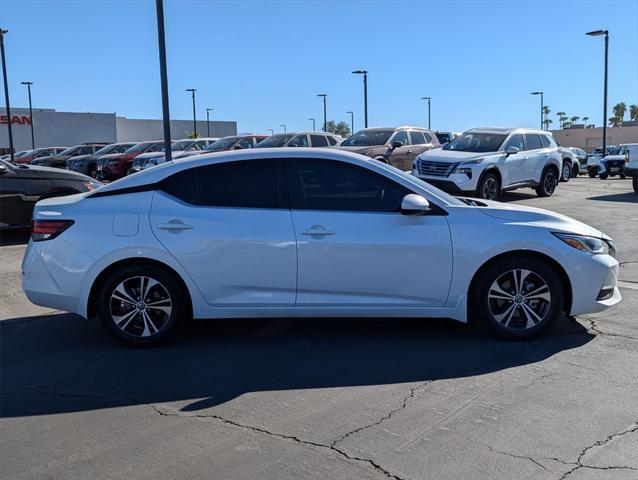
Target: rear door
15	209
355	248
229	225
537	156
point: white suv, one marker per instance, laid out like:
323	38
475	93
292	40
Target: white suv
487	161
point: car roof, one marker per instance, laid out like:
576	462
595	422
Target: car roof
507	131
404	127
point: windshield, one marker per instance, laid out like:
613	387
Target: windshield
140	147
614	151
23	153
367	138
107	149
274	141
221	144
181	145
477	142
70	150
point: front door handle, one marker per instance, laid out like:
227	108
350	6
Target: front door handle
318	231
174	226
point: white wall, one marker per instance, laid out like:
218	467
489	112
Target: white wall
132	130
590	138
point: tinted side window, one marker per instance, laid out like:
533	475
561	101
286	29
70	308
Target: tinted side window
515	141
87	150
417	138
545	141
332	140
245	143
318	141
428	138
533	142
156	148
401	136
332	185
246	183
183	185
299	141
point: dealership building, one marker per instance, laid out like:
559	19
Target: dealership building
63	129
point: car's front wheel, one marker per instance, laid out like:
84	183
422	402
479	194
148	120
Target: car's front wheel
547	184
592	172
566	172
141	305
517	298
489	187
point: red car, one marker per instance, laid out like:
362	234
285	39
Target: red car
112	167
39	152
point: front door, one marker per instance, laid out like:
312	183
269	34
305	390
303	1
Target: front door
515	165
354	245
401	157
229	227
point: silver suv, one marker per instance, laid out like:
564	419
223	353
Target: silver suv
300	139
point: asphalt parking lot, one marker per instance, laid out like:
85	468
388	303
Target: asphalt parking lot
329	399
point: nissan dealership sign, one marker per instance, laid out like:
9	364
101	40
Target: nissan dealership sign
15	120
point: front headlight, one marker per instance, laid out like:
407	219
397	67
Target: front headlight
466	167
594	245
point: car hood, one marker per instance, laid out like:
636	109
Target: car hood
451	156
51	173
536	216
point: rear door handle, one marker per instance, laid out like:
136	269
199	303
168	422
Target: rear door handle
174	226
317	231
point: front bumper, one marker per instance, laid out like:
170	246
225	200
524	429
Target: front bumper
456	183
589	275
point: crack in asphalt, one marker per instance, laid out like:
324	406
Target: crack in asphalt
531	459
593	327
378	468
404	404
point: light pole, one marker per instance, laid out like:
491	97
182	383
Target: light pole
351	122
365	94
541	94
429	99
28	84
597	33
193	90
272	132
6	93
325	116
208	121
314	129
283	125
166	118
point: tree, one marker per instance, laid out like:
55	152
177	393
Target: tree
585	120
191	134
567	123
574	119
633	112
619	110
546	112
340	128
615	121
547	122
561	118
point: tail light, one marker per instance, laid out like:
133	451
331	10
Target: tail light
48	229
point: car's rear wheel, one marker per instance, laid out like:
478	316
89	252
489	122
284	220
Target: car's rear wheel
604	176
489	187
566	172
517	298
592	172
141	305
548	183
575	169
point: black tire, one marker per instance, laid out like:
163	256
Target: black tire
592	172
604	176
623	176
548	183
566	172
575	170
141	325
634	183
489	187
518	318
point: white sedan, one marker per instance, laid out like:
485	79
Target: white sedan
307	232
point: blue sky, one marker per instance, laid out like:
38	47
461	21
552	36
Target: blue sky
262	63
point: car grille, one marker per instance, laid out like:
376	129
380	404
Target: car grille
614	163
435	169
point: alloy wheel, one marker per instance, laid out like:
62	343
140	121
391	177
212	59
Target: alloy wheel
519	299
549	184
490	189
566	172
141	306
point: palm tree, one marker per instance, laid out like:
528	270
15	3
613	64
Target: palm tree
615	121
567	123
546	112
585	120
547	122
619	110
562	120
633	112
560	116
574	119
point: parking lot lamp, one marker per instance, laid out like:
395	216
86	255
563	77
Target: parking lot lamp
166	118
429	99
193	90
351	122
283	125
28	84
325	119
365	94
6	92
314	125
208	121
541	94
597	33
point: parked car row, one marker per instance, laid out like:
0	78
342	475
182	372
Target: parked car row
614	162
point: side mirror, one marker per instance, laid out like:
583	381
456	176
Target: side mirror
396	144
413	204
511	150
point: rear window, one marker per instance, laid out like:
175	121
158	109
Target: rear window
533	142
545	141
318	141
417	138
